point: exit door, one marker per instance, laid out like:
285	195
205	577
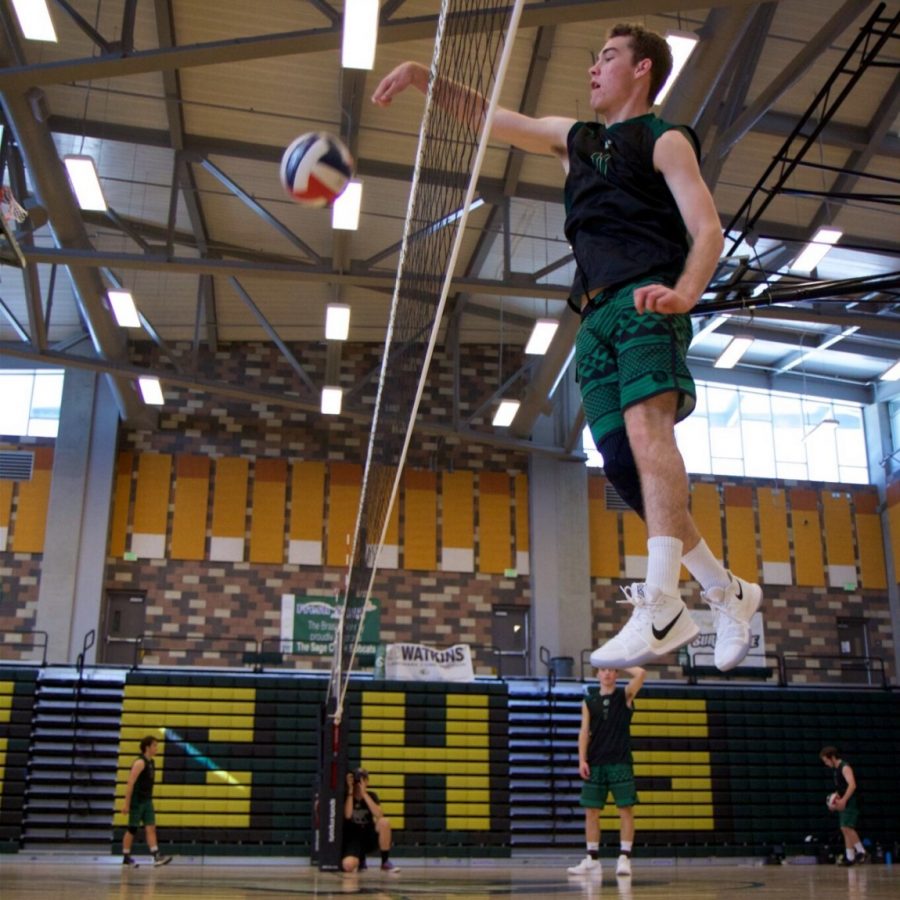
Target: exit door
126	615
853	641
509	634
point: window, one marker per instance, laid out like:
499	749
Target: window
31	401
763	434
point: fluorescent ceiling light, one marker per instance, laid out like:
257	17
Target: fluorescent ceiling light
345	211
892	374
123	308
34	20
151	390
729	357
541	335
360	34
682	46
337	321
829	423
763	286
814	252
506	412
331	400
713	323
85	183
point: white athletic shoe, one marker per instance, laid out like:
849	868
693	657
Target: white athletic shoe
658	625
623	866
733	608
587	866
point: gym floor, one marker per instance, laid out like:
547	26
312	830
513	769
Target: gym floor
28	876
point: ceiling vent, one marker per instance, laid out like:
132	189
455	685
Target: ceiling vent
16	465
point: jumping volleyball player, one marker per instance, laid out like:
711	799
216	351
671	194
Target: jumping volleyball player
646	240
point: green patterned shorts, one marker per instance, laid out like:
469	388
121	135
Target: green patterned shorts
615	777
622	358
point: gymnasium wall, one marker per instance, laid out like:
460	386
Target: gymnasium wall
225	507
481	769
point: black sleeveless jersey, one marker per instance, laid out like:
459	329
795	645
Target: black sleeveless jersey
840	783
610	727
143	786
622	221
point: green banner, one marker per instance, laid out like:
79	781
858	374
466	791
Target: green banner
314	620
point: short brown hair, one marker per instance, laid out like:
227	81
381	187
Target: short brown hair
829	753
647	45
147	741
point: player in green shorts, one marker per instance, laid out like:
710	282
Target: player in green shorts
646	240
138	804
845	805
605	765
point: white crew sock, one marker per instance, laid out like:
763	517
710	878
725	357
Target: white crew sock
664	564
705	568
626	846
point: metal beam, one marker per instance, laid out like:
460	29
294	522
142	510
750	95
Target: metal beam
316	40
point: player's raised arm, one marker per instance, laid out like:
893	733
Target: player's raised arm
546	135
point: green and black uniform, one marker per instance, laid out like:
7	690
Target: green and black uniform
141	808
625	230
849	815
609	750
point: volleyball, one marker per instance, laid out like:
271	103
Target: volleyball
830	800
315	169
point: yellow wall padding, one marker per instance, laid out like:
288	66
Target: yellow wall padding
523	523
267	515
634	534
191	502
457	510
6	492
229	519
307	501
420	520
603	528
494	525
151	500
870	539
706	510
33	500
740	531
345	480
121	500
807	531
893	514
773	530
840	546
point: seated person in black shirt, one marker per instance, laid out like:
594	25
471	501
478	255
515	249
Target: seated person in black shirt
366	828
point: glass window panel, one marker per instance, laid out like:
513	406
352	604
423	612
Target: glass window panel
851	436
43	427
15	388
594	457
854	475
692	437
795	471
47	396
759	438
727	466
821	453
755	405
726	442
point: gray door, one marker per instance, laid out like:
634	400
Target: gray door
126	614
509	634
853	641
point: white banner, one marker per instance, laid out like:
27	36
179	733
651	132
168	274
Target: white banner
701	649
416	662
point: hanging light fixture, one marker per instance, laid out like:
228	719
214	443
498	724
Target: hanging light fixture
505	413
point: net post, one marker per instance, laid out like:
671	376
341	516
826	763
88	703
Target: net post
330	792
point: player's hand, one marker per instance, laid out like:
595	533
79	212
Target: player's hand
839	804
661	299
398	80
584	770
125	809
349	781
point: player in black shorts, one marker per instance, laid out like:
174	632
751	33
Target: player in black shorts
366	828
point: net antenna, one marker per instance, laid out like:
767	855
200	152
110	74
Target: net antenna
473	46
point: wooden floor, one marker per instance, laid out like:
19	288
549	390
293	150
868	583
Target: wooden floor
32	876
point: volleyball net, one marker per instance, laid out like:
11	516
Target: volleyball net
472	48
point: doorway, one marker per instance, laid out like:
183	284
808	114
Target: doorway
509	634
125	617
853	642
